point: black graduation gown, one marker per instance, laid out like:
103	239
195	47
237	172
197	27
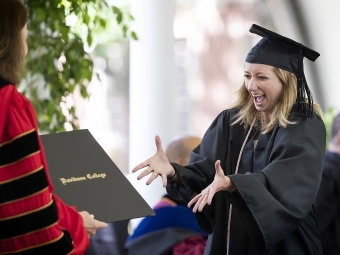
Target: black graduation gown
277	183
327	205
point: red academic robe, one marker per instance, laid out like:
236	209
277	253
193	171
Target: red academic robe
32	219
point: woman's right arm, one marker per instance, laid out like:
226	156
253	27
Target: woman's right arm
200	171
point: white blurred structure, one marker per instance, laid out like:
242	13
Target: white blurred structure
322	20
152	86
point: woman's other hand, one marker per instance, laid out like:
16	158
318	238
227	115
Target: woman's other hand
158	164
220	183
91	224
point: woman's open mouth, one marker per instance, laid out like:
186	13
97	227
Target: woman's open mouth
259	98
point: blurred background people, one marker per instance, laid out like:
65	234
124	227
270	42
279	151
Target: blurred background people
109	241
173	230
327	202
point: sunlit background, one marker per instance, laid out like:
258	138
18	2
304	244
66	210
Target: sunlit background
187	65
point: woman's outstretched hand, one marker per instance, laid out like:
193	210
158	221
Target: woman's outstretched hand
158	164
220	183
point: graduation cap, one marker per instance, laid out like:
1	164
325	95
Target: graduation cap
284	53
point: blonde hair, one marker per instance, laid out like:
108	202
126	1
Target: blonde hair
281	111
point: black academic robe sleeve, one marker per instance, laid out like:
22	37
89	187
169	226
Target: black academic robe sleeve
200	171
274	202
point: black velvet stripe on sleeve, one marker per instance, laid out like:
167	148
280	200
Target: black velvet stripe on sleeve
23	187
19	148
29	222
62	246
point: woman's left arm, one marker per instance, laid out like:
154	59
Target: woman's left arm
274	202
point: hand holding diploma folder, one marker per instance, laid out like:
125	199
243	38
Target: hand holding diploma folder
84	176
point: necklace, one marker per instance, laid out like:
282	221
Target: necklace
236	171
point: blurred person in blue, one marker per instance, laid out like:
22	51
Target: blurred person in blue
253	179
327	202
174	229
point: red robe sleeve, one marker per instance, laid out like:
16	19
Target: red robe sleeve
36	221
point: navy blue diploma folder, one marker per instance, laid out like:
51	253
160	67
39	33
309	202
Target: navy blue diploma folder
84	176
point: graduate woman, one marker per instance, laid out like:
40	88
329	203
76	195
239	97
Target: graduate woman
253	179
32	219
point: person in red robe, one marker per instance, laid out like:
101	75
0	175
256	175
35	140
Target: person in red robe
33	220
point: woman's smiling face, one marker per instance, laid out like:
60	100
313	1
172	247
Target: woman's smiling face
263	85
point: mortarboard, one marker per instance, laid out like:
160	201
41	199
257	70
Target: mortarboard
83	175
282	52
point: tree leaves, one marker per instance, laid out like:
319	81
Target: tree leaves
57	64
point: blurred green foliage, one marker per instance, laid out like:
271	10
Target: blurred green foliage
58	65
